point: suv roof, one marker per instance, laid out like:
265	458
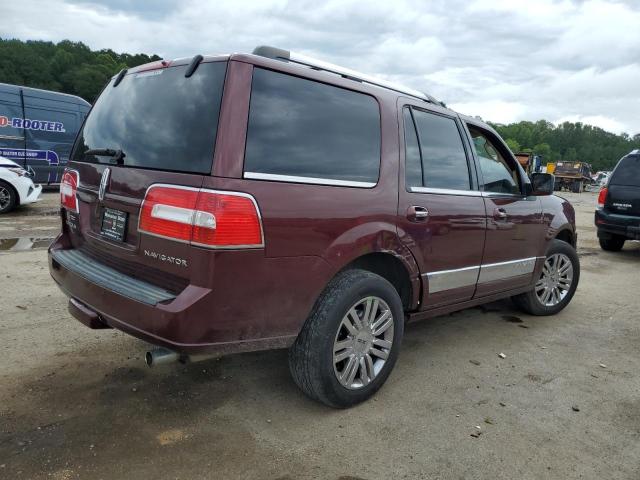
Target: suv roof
277	56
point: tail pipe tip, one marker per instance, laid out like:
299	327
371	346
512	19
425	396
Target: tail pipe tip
160	356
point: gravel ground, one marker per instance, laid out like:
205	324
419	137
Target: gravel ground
78	403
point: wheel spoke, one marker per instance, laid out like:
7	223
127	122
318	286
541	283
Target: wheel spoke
346	353
353	371
351	322
380	321
373	313
351	367
342	344
379	353
382	343
364	375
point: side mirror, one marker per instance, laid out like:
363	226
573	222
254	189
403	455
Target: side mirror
542	184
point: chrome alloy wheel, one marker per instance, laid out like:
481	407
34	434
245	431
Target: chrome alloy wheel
555	281
5	197
363	343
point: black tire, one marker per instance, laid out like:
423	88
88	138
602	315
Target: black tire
311	358
529	301
612	244
9	197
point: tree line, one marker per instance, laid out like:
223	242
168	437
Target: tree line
69	67
568	141
72	67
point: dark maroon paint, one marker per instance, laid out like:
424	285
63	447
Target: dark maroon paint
231	300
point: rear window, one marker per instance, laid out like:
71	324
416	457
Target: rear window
627	172
306	131
158	118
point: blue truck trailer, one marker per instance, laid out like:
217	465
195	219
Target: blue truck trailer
38	128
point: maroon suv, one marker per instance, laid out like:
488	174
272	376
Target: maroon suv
247	202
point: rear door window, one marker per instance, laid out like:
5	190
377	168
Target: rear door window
627	172
159	118
304	131
435	157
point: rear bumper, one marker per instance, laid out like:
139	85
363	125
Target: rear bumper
245	312
609	224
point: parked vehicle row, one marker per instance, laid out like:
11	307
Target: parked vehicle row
617	217
16	186
272	200
38	128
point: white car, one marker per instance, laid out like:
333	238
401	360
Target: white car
16	186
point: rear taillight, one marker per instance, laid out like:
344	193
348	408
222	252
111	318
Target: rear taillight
68	190
207	218
602	196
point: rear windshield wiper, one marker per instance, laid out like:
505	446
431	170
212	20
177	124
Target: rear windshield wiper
118	155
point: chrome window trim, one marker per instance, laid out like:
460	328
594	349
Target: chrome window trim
465	193
501	195
442	280
307	180
447	191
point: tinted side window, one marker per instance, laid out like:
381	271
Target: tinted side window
444	161
500	175
627	172
303	128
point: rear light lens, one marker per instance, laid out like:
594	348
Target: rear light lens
68	190
602	196
207	218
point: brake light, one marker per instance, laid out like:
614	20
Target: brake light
602	196
208	218
68	190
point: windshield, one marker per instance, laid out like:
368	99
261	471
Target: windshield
627	172
158	118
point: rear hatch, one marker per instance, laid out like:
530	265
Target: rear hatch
624	187
164	121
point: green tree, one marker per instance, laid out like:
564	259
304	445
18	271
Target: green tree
69	67
513	145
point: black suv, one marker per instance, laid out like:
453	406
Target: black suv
618	213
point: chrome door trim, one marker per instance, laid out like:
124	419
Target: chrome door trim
468	276
449	279
502	270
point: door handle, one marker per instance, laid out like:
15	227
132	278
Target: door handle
500	213
416	213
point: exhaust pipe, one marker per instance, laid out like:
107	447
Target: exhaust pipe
160	356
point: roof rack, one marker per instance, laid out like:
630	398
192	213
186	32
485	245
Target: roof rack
288	56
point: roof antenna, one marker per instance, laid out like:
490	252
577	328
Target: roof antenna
195	61
119	78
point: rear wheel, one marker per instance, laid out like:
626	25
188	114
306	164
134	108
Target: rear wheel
8	197
350	342
612	244
557	282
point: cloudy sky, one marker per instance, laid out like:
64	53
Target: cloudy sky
505	60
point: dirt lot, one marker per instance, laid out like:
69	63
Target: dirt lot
77	403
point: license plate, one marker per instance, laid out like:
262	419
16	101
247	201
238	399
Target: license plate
114	224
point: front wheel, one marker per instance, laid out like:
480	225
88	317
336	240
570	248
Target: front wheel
8	197
557	282
350	342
